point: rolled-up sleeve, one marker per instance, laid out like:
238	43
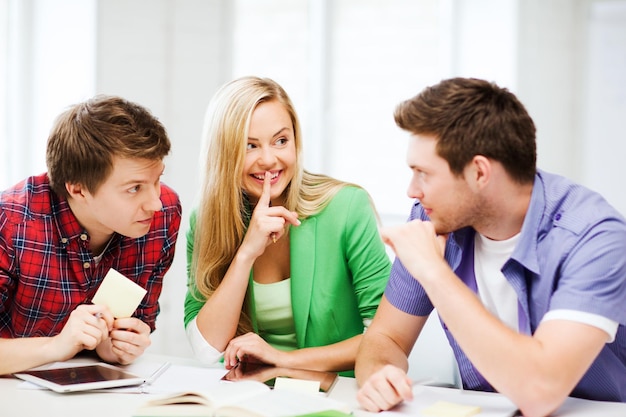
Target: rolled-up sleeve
202	350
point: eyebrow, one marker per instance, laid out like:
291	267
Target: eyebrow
140	181
274	135
133	181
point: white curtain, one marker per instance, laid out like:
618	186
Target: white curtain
48	50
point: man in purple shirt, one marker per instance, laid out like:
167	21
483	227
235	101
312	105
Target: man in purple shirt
526	269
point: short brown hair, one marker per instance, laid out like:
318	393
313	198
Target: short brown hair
86	137
472	117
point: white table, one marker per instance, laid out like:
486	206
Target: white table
19	399
16	401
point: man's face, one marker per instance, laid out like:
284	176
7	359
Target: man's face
447	199
126	202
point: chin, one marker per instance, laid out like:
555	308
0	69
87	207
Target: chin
137	232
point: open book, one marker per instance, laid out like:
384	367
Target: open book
239	399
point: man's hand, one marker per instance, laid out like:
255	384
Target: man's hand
130	337
385	389
86	328
418	246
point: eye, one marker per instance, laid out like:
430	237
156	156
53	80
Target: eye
250	146
420	174
135	189
281	141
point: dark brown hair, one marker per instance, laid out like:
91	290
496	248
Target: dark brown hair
473	117
86	137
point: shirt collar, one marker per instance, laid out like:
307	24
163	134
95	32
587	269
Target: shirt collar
526	250
66	221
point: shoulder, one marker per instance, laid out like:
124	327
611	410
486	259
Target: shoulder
172	206
31	197
166	222
193	220
169	197
567	205
349	209
349	195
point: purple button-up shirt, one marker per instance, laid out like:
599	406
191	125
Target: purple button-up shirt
571	255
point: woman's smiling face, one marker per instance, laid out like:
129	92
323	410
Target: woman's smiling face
271	148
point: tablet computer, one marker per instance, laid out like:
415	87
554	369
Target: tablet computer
81	377
268	374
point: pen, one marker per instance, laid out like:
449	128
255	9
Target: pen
157	373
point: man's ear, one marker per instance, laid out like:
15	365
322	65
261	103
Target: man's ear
75	191
481	170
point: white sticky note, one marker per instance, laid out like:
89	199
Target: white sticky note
298	385
119	294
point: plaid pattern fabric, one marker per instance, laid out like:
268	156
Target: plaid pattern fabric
47	268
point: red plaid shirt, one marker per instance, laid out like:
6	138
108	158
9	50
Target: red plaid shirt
47	268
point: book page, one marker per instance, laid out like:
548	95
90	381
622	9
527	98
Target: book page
239	399
201	402
282	403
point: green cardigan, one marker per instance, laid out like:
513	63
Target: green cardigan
339	270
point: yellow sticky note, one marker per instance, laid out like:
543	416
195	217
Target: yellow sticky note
119	294
298	385
446	409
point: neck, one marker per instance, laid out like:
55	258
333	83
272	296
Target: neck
506	211
98	240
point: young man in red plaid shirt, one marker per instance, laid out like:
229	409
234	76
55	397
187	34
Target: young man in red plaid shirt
101	205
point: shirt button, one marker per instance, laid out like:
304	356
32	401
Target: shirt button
86	265
64	240
83	236
557	217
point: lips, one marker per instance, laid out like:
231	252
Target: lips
261	177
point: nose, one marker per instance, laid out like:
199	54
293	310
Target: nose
154	203
414	190
267	158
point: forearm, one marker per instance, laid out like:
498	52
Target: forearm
218	318
24	353
336	357
536	372
375	351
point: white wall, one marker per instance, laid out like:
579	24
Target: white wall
346	64
604	101
169	56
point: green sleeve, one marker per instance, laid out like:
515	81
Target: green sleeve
193	301
366	254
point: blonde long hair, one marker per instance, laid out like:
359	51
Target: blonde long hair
223	213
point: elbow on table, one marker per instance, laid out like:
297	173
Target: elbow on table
539	400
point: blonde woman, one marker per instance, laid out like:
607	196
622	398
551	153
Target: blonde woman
285	267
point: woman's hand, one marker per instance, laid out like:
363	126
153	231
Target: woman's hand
267	224
251	347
